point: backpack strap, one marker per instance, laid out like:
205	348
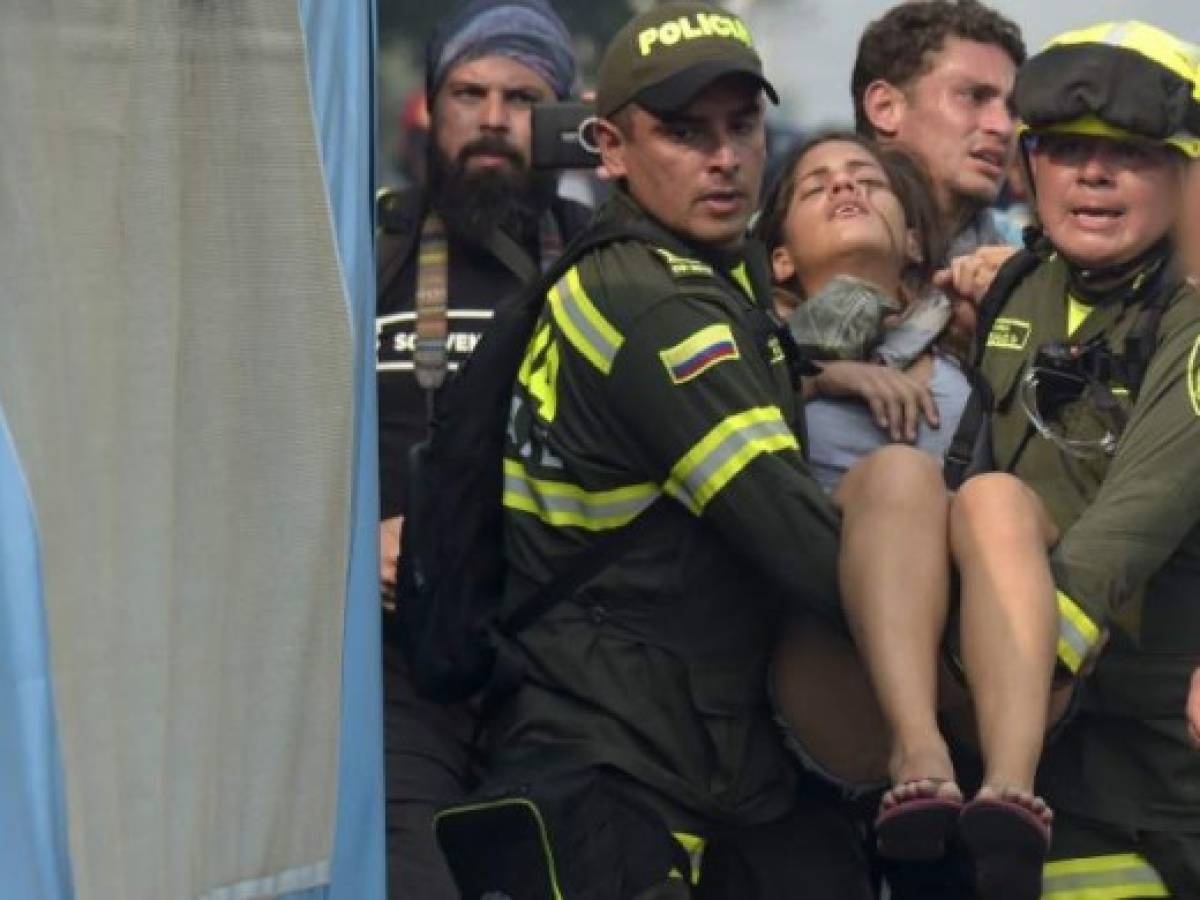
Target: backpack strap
509	670
583	567
397	233
1142	340
970	449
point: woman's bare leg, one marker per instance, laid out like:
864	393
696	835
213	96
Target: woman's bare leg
999	535
894	572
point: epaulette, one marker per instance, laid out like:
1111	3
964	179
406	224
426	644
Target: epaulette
684	266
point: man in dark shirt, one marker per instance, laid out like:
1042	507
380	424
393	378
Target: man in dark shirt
449	254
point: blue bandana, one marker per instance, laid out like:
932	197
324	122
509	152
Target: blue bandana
527	31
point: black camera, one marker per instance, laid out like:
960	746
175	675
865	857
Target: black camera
1065	370
564	136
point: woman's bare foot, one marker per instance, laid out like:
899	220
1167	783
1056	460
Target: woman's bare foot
924	773
1026	799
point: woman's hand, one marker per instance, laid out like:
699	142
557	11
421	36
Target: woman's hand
897	400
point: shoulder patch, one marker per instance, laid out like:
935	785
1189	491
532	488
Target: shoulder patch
695	355
684	266
1193	376
776	350
1009	334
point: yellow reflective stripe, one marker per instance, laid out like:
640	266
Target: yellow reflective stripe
539	372
561	503
1077	634
1151	42
536	346
543	383
693	845
722	453
1120	876
581	323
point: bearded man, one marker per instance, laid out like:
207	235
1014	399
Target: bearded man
450	253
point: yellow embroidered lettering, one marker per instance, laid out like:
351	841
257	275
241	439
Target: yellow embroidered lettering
1009	334
741	32
646	40
690	31
669	33
722	26
706	23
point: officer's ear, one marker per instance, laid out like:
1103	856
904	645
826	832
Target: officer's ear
613	143
783	267
884	105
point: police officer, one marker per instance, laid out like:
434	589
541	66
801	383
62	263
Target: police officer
655	396
1094	358
449	252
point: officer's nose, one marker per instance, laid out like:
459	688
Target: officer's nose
725	155
1096	166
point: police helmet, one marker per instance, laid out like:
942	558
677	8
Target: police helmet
1123	80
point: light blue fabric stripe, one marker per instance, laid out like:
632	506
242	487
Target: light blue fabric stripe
340	38
34	855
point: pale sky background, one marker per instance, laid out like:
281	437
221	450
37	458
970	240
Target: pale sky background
808	54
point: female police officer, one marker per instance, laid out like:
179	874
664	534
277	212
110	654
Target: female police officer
1094	358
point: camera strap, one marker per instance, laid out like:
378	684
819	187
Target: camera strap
1150	294
430	358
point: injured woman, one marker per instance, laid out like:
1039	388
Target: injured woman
950	616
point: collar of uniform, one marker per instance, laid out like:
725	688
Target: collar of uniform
621	207
1096	286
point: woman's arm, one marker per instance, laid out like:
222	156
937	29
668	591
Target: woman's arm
897	400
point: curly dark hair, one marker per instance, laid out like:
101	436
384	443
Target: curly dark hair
909	182
895	47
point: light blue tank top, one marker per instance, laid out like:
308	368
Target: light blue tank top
843	431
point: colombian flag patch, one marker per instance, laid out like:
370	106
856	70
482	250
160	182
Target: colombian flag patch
699	353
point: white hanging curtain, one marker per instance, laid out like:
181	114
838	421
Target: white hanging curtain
177	371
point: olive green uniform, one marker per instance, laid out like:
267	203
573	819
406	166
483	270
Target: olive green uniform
649	376
1129	562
